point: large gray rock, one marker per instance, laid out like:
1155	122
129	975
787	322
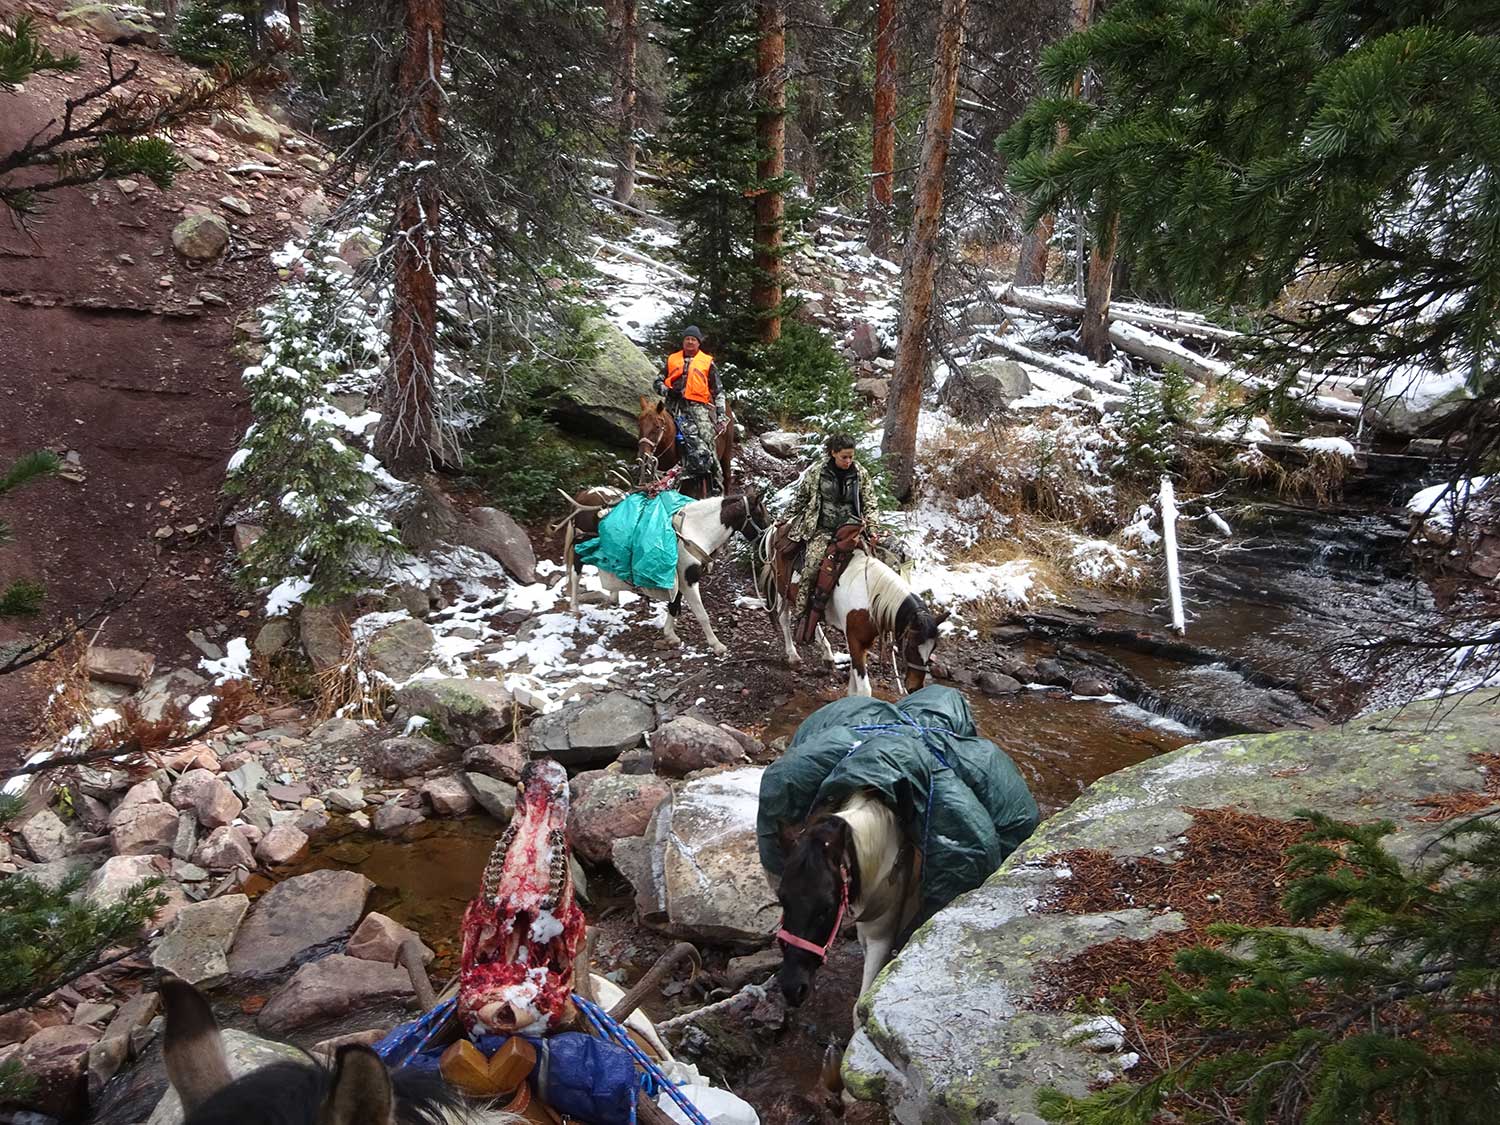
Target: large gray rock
686	744
46	837
702	879
614	806
107	27
978	392
249	125
978	962
467	711
781	443
407	757
401	649
601	395
380	938
324	632
246	1053
1414	409
503	760
207	795
196	946
492	531
592	731
865	340
201	237
226	848
297	916
283	843
334	986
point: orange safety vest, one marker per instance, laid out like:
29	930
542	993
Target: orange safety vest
696	389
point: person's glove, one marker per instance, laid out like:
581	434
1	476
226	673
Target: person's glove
721	425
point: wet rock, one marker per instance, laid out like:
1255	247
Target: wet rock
196	945
782	444
401	649
686	744
865	341
201	237
503	760
392	820
379	938
145	828
448	796
492	531
407	757
324	632
226	848
613	806
1051	672
284	843
296	916
56	1059
703	879
207	795
467	711
979	391
1090	686
331	987
592	731
997	683
46	837
496	797
126	666
245	1053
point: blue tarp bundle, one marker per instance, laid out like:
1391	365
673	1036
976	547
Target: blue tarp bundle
966	804
636	542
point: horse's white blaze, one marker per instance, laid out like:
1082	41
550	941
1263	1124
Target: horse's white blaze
887	900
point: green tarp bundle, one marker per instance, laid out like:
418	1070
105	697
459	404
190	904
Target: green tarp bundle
964	801
636	542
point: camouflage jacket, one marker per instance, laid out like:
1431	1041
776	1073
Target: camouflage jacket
817	506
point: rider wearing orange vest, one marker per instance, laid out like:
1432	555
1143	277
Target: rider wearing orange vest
690	384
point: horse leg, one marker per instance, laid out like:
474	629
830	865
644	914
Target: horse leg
878	939
695	600
783	617
825	646
570	562
859	630
670	639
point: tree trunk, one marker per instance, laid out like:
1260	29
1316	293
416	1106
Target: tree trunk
919	264
1031	269
770	75
624	26
1095	331
294	17
409	435
883	150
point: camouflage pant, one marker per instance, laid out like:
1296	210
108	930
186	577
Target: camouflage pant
699	461
812	561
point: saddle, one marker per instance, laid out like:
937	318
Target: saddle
846	540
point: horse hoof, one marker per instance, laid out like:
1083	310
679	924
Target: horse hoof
721	650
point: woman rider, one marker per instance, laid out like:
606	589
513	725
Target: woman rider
832	493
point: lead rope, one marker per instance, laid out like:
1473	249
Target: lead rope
609	1029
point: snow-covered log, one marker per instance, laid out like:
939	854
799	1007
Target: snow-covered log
631	255
1061	304
1169	545
1162	352
1055	365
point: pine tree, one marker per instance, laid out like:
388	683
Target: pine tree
1341	157
23	596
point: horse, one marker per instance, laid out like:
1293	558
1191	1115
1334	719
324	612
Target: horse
855	860
703	527
657	452
871	604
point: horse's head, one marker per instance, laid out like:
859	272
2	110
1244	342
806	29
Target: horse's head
746	514
356	1090
655	432
814	893
918	630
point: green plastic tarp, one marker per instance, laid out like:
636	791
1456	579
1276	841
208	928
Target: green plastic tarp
636	542
963	800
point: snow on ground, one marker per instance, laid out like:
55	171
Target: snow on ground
1438	503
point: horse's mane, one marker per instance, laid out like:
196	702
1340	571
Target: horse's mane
889	592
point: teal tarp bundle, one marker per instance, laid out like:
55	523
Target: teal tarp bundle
636	542
964	801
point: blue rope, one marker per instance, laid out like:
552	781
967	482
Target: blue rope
409	1039
607	1028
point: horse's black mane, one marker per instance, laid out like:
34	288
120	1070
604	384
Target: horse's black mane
291	1093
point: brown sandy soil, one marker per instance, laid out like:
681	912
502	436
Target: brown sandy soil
112	351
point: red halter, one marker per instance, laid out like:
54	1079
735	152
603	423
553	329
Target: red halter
821	951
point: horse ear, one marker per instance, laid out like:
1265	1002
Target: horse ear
943	615
788	835
645	403
192	1048
361	1093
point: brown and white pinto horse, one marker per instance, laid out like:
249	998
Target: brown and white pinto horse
657	453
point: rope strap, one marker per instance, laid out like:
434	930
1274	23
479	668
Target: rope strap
653	1079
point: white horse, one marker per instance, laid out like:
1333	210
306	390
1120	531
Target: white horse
871	605
702	527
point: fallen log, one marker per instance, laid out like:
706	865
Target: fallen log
1161	352
1058	304
1054	365
642	259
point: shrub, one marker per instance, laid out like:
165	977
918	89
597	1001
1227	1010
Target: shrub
802	377
214	32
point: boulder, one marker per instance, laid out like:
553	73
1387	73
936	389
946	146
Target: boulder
686	744
142	793
393	819
496	797
335	732
46	837
201	237
601	395
126	666
874	390
274	636
379	938
296	916
185	841
108	885
782	444
448	796
979	391
196	945
407	757
865	340
467	711
54	874
248	125
207	795
245	1053
492	531
331	987
400	650
146	828
346	800
1421	404
1090	686
226	848
591	731
107	27
613	806
701	877
503	760
284	843
247	779
56	1060
324	632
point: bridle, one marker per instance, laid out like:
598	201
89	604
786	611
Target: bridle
820	951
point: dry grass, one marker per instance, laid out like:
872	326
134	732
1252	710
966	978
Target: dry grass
351	688
68	707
